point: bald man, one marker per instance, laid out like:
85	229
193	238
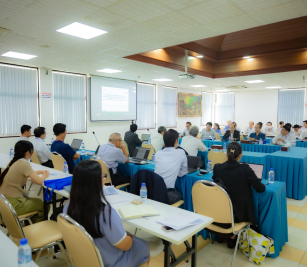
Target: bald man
112	153
227	126
250	128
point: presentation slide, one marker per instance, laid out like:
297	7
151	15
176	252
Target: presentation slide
112	99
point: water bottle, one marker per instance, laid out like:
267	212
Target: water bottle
11	153
224	147
65	168
149	140
271	142
52	141
143	192
24	254
229	139
209	166
153	158
271	176
83	147
260	141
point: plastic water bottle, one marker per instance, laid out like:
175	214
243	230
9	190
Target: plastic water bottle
149	140
260	141
24	254
224	147
11	153
52	141
83	147
271	176
229	139
271	142
65	168
153	158
209	166
143	192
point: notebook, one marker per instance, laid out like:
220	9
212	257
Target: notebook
134	211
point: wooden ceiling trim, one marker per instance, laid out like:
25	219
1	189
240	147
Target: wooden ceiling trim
197	48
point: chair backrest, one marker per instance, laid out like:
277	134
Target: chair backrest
126	146
35	158
216	157
241	137
152	151
276	132
57	161
220	209
10	218
217	136
105	169
198	135
79	243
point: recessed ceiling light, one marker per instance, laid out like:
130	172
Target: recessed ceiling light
198	85
223	90
109	71
255	81
18	55
162	80
190	57
200	56
273	87
80	30
250	59
246	57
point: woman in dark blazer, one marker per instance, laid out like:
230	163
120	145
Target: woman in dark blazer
238	180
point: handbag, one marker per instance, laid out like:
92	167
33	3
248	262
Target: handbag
57	184
256	246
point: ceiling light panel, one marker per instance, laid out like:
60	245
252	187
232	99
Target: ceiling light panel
80	30
18	55
109	71
162	80
198	85
255	81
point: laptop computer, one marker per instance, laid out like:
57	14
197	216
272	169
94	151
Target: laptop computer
140	154
257	168
193	163
145	137
76	143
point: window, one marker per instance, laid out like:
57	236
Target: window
206	108
18	98
224	107
291	104
145	102
69	104
169	106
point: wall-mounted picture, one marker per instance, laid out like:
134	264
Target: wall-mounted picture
189	105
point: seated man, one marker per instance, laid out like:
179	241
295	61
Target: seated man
171	163
290	126
157	140
208	132
25	133
132	139
285	137
269	128
257	135
112	153
304	126
232	133
227	126
67	152
191	144
280	125
42	150
296	129
303	135
250	128
186	130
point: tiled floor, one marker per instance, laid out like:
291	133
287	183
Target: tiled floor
294	253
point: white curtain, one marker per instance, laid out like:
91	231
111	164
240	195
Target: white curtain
145	102
291	105
69	92
169	106
206	108
18	99
224	107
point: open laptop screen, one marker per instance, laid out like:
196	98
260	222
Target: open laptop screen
76	143
141	153
257	168
145	137
193	162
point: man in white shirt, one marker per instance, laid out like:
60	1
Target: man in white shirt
303	135
227	126
250	128
185	132
280	125
304	126
208	132
269	128
41	149
171	163
25	133
191	144
157	140
112	153
285	138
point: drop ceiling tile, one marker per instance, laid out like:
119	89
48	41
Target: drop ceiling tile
179	4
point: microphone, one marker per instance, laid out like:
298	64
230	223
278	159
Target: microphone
96	138
149	131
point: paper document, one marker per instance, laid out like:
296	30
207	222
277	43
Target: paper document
54	176
133	211
109	190
112	199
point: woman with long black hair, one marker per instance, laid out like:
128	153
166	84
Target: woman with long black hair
15	176
88	206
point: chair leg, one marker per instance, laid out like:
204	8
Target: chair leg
30	186
65	253
211	238
39	254
236	247
40	190
135	231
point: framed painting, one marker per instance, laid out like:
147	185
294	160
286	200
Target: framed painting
189	105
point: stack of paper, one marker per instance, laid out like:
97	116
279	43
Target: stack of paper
180	220
109	190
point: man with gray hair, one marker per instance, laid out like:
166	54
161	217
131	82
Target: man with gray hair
191	144
112	153
157	140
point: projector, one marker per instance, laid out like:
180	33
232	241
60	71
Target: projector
186	76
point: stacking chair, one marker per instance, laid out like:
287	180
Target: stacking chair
126	146
198	135
35	160
276	132
41	236
57	161
105	169
79	243
152	151
220	209
217	136
216	157
241	137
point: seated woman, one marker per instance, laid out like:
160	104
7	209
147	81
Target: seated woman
15	176
88	206
238	180
257	135
217	129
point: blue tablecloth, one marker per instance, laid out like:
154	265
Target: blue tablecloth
301	143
